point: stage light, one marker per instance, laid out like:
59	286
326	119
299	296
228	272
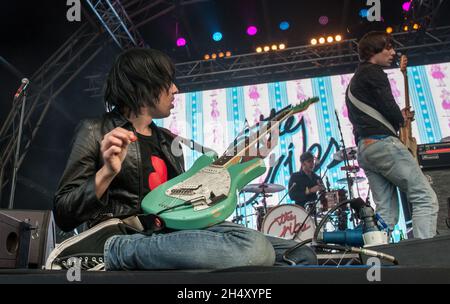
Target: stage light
214	56
314	41
323	20
181	42
389	30
259	49
363	13
266	48
338	38
406	6
228	54
217	36
207	57
321	40
274	47
330	39
284	25
252	30
221	55
282	46
406	28
416	26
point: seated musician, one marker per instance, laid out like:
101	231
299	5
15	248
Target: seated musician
117	159
305	184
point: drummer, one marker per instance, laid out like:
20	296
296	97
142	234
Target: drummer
307	183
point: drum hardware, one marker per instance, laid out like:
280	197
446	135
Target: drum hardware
348	153
262	189
356	179
351	169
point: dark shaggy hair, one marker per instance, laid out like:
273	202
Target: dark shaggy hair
306	156
137	79
372	43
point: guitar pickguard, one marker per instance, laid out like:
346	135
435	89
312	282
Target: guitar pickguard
202	188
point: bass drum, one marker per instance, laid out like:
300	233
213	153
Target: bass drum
285	221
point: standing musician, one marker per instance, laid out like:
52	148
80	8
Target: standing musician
386	161
305	184
119	158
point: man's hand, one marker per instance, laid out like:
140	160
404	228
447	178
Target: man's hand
114	147
316	188
408	114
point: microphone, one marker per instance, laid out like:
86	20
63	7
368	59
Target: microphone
22	88
289	190
328	184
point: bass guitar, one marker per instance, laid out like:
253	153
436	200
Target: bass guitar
405	134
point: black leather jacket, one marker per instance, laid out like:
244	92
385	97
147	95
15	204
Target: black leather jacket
370	84
75	201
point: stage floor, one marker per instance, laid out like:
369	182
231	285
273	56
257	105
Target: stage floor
240	275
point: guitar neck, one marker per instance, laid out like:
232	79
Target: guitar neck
228	160
407	101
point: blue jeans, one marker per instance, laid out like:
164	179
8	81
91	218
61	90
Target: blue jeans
388	164
220	246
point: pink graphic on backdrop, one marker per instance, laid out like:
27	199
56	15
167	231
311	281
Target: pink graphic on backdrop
395	91
345	82
215	114
446	103
214	110
253	94
438	74
301	96
173	126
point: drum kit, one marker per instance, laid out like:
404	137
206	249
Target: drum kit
291	221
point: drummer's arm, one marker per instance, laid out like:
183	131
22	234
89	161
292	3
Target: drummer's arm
296	192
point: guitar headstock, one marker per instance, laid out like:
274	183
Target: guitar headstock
304	105
403	63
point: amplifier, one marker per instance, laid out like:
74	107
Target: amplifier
435	155
42	235
14	242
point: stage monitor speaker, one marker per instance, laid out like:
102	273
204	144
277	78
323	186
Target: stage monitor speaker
432	252
14	242
42	234
440	182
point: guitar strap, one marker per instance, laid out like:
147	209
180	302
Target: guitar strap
369	110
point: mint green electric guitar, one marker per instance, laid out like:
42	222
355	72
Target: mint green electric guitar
207	193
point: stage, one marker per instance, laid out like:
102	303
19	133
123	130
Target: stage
241	275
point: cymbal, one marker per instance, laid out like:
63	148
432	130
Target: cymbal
350	152
358	179
263	188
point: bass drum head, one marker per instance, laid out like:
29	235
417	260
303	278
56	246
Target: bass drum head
285	221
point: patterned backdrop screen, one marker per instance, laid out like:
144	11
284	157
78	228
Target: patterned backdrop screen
214	118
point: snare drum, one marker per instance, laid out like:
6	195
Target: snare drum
285	221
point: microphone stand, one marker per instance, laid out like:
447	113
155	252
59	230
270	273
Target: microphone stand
346	161
17	152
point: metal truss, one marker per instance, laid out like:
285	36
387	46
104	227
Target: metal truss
424	11
302	61
45	85
145	11
115	20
